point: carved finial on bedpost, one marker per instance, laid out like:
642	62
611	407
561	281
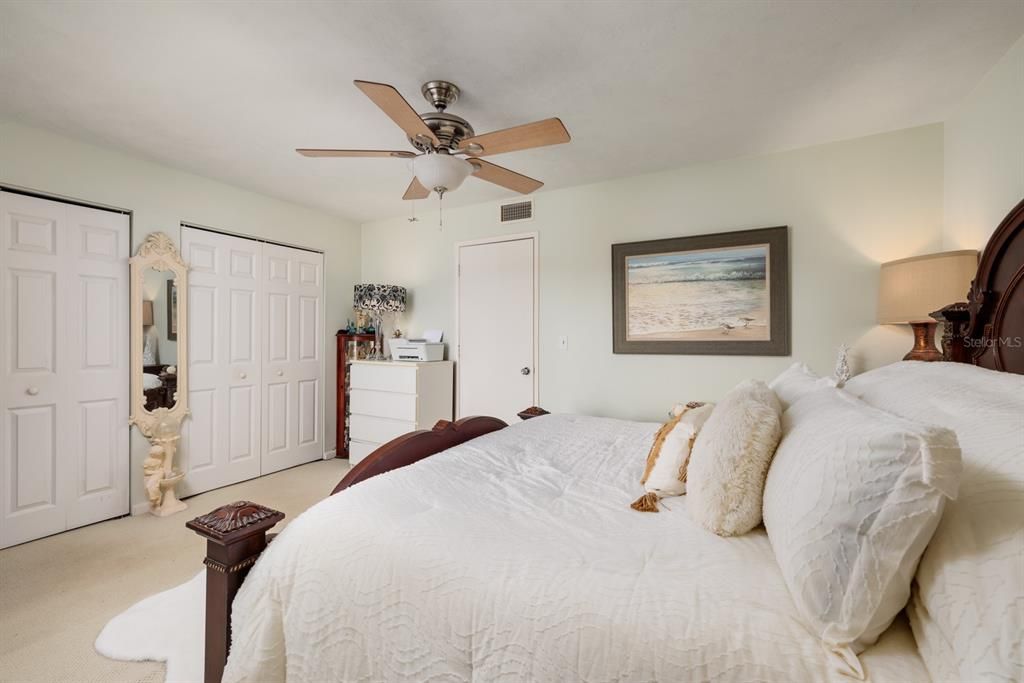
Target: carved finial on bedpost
954	332
235	535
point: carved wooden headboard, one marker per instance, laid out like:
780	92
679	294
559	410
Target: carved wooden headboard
988	329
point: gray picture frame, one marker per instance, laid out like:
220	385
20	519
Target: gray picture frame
778	344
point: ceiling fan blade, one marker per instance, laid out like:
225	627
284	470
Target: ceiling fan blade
416	190
498	175
527	136
306	152
398	110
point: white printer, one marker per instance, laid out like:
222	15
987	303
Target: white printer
416	350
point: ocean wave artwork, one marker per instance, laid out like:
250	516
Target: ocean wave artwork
713	294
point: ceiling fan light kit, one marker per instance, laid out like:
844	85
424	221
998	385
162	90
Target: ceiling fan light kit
440	171
439	136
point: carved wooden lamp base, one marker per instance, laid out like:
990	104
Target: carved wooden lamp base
924	343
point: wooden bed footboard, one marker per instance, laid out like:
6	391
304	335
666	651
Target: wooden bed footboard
236	534
414	446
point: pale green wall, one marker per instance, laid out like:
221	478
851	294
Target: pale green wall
161	198
850	206
984	155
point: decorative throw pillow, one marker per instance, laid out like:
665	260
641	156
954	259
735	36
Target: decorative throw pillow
665	473
852	498
796	381
730	459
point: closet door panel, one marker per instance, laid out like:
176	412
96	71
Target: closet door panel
220	440
293	369
32	300
98	365
64	376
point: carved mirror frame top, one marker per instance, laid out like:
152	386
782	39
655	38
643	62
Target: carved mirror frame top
159	253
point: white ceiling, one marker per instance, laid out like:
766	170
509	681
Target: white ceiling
228	89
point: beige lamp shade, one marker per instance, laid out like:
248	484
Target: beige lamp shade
147	312
911	288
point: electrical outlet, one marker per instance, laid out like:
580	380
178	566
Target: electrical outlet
563	343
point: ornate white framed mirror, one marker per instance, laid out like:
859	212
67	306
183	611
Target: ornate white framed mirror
159	363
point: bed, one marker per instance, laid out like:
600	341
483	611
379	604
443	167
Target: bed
480	551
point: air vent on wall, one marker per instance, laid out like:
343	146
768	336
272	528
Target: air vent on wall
517	211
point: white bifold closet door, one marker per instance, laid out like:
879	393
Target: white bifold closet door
64	374
293	367
220	440
255	392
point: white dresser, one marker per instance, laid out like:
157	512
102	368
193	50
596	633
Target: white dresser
390	398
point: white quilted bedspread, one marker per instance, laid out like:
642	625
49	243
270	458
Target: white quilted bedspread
516	557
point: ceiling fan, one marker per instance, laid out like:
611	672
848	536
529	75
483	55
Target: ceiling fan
442	138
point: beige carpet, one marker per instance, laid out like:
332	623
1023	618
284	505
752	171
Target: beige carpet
57	593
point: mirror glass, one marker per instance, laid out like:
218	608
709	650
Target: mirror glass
159	338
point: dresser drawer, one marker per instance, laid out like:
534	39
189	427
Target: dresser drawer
384	404
357	450
384	377
377	429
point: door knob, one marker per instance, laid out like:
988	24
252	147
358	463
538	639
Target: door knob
280	373
525	371
32	391
242	375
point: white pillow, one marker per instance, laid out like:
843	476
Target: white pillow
666	471
796	381
730	457
967	608
852	497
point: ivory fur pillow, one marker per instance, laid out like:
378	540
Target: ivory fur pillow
665	472
730	460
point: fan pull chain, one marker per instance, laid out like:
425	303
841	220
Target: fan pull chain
440	210
413	218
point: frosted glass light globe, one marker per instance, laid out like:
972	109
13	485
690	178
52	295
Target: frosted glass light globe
440	171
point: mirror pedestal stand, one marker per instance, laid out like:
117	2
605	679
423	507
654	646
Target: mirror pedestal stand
160	475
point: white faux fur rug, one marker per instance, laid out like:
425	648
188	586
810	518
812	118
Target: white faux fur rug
166	627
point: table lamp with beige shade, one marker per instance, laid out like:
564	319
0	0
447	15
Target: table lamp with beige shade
910	289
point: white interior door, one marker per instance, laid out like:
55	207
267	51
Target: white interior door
497	359
64	376
220	441
98	365
293	366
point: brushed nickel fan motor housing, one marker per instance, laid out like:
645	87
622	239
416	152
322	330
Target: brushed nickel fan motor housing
440	94
449	128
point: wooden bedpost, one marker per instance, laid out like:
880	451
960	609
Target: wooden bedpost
235	535
954	332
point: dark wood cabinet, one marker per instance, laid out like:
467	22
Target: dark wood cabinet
346	344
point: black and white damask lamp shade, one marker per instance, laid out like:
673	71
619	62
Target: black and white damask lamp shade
379	298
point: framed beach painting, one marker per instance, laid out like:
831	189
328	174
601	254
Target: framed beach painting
725	293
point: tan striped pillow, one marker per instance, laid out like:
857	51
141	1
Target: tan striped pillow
665	473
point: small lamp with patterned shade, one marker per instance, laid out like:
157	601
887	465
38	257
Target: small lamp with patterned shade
379	299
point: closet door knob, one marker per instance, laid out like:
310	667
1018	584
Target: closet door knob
32	391
525	371
242	375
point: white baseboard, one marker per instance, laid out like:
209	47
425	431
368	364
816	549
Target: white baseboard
330	454
140	508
